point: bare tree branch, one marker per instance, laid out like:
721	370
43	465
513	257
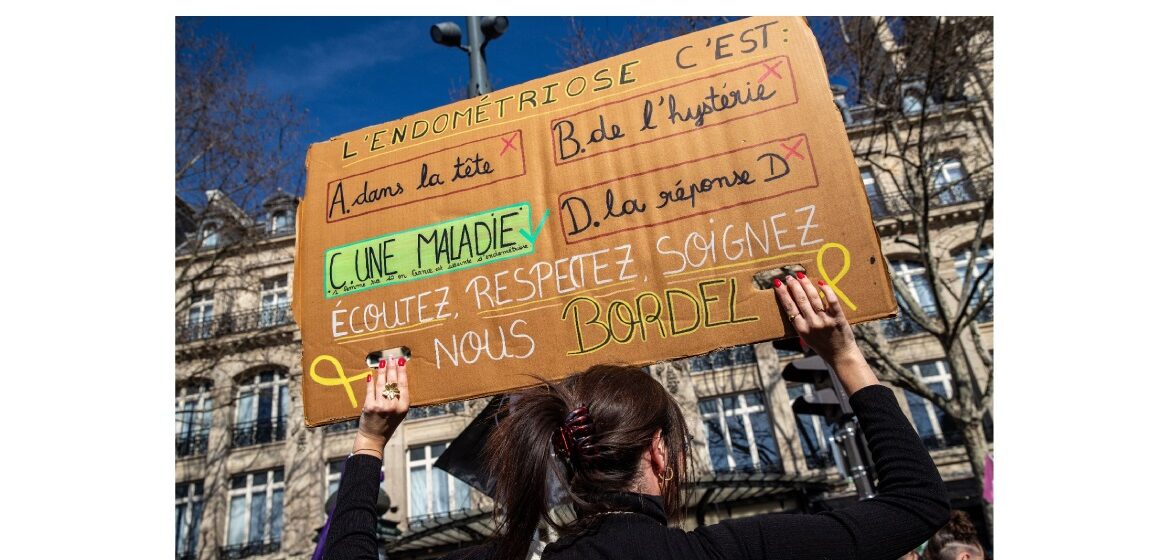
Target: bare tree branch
949	59
980	349
912	308
894	371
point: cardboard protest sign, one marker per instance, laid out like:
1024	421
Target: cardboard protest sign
616	212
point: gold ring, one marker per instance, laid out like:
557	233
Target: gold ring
794	316
391	391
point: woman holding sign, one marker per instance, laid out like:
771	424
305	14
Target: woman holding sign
617	442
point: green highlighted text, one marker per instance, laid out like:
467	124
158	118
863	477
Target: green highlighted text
461	243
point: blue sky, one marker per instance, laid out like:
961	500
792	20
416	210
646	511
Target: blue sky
351	72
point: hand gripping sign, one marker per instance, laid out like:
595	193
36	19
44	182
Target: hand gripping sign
616	212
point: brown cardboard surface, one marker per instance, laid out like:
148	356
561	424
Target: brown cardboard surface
616	212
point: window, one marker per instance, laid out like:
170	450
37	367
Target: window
739	434
263	403
193	411
962	259
209	234
724	358
280	222
936	429
333	477
432	491
950	184
188	506
200	316
255	522
275	302
913	275
912	102
874	194
334	470
811	430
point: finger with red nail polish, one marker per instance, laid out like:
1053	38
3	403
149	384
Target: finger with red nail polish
371	394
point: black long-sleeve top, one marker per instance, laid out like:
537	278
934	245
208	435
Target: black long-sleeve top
910	506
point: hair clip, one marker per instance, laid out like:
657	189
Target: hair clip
574	438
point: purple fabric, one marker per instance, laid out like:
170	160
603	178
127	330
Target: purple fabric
989	479
318	550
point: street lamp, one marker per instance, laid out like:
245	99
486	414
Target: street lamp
448	34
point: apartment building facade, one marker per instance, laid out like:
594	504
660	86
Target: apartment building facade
253	482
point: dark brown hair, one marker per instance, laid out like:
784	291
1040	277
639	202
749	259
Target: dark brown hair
627	406
957	533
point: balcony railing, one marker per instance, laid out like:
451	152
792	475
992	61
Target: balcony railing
900	326
943	441
435	410
724	358
766	466
255	234
234	323
237	551
903	325
434	518
193	443
342	426
258	432
887	205
819	460
281	231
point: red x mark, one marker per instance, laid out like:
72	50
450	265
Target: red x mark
792	151
507	143
770	70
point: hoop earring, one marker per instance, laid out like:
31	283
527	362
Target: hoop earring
663	478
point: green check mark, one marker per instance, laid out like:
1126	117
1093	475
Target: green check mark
531	237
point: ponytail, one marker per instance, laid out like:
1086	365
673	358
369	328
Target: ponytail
519	458
613	412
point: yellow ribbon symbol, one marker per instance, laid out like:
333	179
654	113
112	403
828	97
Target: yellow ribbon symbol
341	378
833	282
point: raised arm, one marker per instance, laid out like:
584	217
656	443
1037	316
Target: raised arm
351	534
911	503
824	327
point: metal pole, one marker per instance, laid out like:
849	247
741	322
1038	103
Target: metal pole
479	83
847	437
